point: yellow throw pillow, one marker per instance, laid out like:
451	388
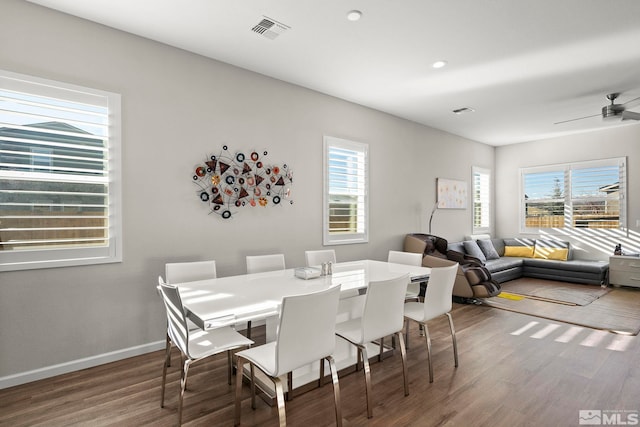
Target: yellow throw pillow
521	251
560	254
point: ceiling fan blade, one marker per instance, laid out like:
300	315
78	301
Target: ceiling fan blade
630	115
579	118
631	103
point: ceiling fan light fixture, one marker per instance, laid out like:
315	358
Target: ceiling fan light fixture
612	111
354	15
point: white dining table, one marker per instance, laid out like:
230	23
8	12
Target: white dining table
231	300
234	300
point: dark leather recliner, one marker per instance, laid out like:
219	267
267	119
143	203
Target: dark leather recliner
473	279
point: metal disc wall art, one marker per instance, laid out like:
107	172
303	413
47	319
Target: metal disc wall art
227	182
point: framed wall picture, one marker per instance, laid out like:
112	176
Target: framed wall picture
451	194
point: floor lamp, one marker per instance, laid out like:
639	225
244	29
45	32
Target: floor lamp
433	211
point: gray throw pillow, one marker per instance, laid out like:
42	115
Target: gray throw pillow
486	246
472	248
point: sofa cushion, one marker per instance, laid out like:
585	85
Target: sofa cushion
471	247
519	247
552	249
518	251
487	248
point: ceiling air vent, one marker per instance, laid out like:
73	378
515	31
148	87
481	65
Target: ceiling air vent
270	28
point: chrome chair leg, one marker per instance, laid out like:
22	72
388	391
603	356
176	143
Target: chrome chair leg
253	385
229	367
239	378
405	374
367	379
321	377
428	339
453	338
280	401
167	362
183	385
406	334
248	334
168	348
336	389
289	393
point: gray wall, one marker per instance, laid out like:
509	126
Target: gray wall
177	109
615	142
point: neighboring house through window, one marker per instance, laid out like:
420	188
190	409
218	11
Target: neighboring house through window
346	200
59	186
584	195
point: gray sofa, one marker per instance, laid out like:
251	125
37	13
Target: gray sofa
539	258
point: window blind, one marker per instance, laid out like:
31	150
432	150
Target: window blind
55	169
481	199
346	203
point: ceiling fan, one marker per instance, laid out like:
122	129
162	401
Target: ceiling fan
613	110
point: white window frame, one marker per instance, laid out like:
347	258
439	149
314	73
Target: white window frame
481	194
566	169
26	259
361	191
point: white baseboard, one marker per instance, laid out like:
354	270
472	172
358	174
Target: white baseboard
76	365
88	362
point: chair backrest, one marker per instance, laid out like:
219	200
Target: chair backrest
437	299
306	329
318	257
176	319
383	312
260	263
179	272
408	258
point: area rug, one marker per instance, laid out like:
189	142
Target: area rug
555	291
618	310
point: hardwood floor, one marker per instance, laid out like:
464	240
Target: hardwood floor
514	370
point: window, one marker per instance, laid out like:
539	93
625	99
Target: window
59	182
585	195
346	200
481	199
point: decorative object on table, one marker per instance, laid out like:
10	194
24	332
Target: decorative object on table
451	194
307	273
618	249
227	181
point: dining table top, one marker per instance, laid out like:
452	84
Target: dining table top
225	301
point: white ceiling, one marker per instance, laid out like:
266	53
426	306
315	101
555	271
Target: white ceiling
521	65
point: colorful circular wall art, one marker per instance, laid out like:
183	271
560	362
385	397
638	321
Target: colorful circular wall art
227	182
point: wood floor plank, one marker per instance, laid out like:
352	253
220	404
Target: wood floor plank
515	369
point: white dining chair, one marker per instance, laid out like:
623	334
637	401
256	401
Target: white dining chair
381	316
437	302
408	258
262	263
306	328
188	271
318	257
194	345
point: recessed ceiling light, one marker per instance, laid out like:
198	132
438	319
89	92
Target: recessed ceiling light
354	15
463	110
439	64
